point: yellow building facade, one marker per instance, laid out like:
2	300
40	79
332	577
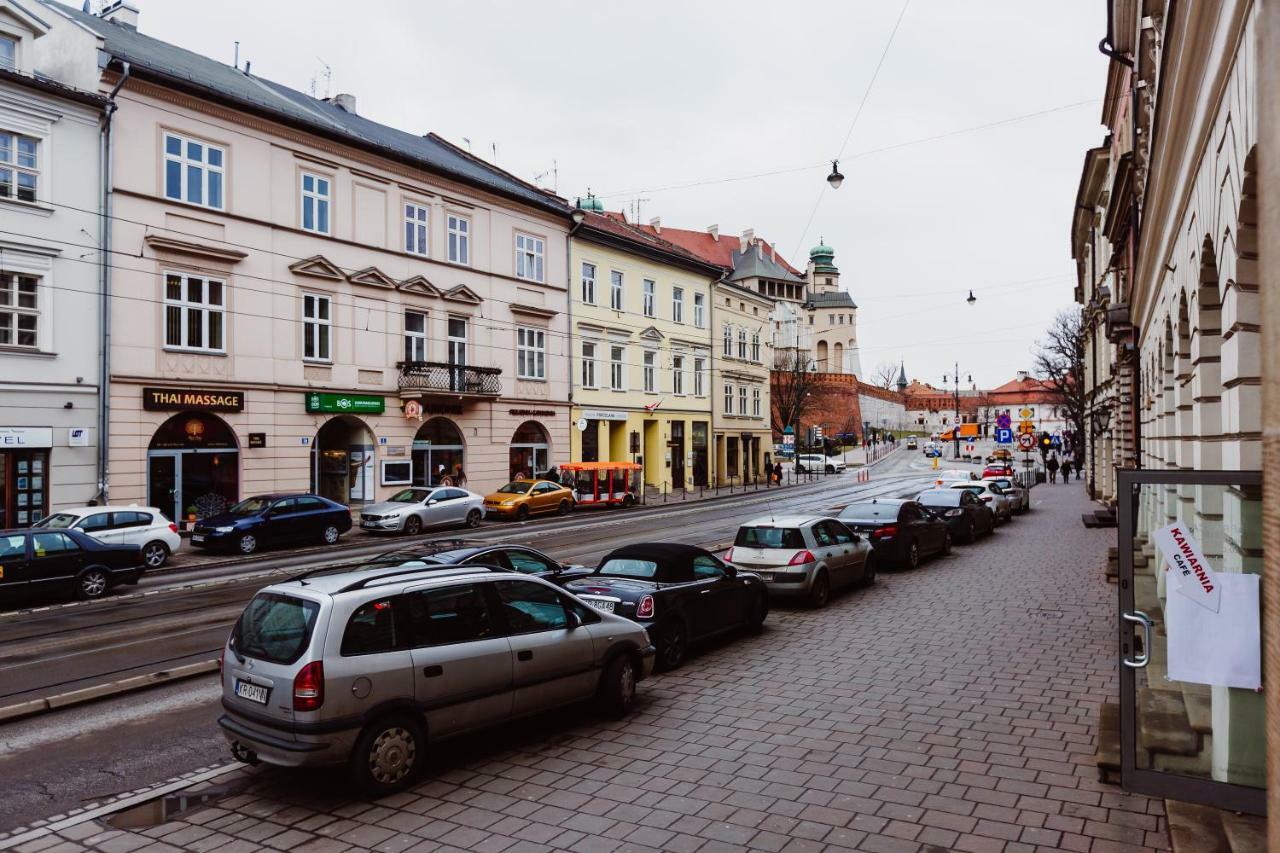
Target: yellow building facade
641	364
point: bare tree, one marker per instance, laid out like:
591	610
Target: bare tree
1060	364
885	375
791	385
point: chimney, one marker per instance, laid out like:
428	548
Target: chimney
773	254
344	102
656	224
746	239
1022	376
120	12
714	231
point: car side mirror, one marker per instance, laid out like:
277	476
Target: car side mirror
730	571
575	621
856	538
432	502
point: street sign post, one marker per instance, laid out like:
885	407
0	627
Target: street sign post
1004	435
1026	442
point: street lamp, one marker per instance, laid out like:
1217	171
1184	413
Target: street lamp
835	178
955	426
972	299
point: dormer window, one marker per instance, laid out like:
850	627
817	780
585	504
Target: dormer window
8	53
19	166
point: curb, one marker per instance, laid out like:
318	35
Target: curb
84	695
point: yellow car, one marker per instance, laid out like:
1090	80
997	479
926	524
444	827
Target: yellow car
521	498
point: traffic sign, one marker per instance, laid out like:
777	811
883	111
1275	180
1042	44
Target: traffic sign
1026	441
1026	428
1004	435
1003	421
1055	440
1026	412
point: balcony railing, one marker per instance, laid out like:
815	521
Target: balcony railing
439	378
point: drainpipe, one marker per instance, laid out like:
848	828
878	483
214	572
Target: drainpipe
568	266
104	284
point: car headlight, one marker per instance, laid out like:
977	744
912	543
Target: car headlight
952	513
226	529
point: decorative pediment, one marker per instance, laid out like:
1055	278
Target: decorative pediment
162	245
420	284
652	334
532	310
462	293
318	266
372	277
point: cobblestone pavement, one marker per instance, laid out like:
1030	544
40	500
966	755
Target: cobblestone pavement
951	708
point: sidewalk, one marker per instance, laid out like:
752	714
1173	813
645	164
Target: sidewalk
950	708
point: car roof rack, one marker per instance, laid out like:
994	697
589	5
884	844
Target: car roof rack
430	571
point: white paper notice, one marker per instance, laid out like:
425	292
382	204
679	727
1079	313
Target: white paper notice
1223	648
1190	571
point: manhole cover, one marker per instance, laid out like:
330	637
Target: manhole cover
161	809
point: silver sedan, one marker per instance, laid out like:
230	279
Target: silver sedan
412	509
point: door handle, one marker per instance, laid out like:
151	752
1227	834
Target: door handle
1137	617
705	592
526	654
433	671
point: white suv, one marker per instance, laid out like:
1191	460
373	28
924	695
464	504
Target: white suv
144	526
818	462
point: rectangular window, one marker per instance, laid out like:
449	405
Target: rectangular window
8	53
650	372
699	310
677	304
315	203
617	365
316	325
742	343
677	375
459	228
589	283
699	377
416	219
193	171
529	253
415	336
650	296
755	402
19	311
728	399
588	364
755	346
615	290
728	341
19	166
531	353
742	399
194	311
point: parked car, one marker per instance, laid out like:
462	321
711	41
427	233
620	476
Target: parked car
912	443
520	499
410	510
932	451
965	515
273	520
471	552
900	531
1020	496
997	469
41	559
366	668
1002	453
817	462
144	526
680	593
801	556
991	495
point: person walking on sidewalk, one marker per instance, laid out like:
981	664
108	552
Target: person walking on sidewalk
1068	463
777	473
1052	466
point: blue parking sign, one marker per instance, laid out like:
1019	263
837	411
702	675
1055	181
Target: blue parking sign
1004	435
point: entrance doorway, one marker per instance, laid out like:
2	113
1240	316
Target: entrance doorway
193	467
342	461
701	462
438	454
676	445
530	451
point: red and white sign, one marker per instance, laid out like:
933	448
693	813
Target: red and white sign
1187	566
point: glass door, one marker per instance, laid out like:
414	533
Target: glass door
1190	575
164	483
457	354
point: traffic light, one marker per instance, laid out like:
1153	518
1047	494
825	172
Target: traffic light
1046	443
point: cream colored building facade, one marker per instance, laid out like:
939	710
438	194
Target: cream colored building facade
743	440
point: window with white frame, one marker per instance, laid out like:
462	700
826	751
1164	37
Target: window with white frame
677	304
755	346
317	320
529	253
416	220
617	367
588	364
415	336
194	313
728	341
316	194
650	368
531	353
19	166
193	171
677	375
589	283
8	53
742	399
459	231
742	343
19	311
650	296
728	399
699	310
755	402
699	377
615	290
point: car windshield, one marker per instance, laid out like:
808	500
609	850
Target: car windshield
250	506
515	487
409	496
941	497
769	537
274	628
628	567
57	521
964	487
870	512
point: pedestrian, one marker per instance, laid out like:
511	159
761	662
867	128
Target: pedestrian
440	474
552	475
777	473
459	476
1052	465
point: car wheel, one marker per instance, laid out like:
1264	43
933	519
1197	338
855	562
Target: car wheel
388	755
913	556
759	612
946	543
522	512
869	571
331	534
412	525
154	554
247	544
628	502
820	592
673	641
473	518
617	694
564	508
831	469
91	584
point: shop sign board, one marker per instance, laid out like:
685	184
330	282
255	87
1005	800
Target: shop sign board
22	438
603	415
348	404
194	399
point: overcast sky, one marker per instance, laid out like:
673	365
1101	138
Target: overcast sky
638	101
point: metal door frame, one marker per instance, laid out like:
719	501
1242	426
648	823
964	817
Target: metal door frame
175	454
1160	783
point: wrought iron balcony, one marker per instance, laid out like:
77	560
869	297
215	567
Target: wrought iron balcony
435	377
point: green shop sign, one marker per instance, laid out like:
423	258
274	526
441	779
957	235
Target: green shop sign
355	404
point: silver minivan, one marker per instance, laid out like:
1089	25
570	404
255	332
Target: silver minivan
365	668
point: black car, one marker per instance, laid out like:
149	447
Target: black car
34	560
274	520
964	512
680	593
900	531
470	552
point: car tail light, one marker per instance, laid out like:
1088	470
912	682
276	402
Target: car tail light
728	556
644	609
884	532
308	687
801	558
173	527
986	499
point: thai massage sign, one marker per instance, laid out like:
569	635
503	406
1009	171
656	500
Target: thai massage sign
195	399
1188	568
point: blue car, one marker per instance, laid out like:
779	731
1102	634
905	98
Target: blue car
273	520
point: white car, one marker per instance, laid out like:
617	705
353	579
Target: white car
144	526
802	556
992	495
818	462
1020	496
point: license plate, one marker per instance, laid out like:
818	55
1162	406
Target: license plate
197	537
252	692
606	606
765	576
367	524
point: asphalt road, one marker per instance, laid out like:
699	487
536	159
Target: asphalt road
64	759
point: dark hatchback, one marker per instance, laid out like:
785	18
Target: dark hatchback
680	593
964	512
900	531
273	520
470	552
38	560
